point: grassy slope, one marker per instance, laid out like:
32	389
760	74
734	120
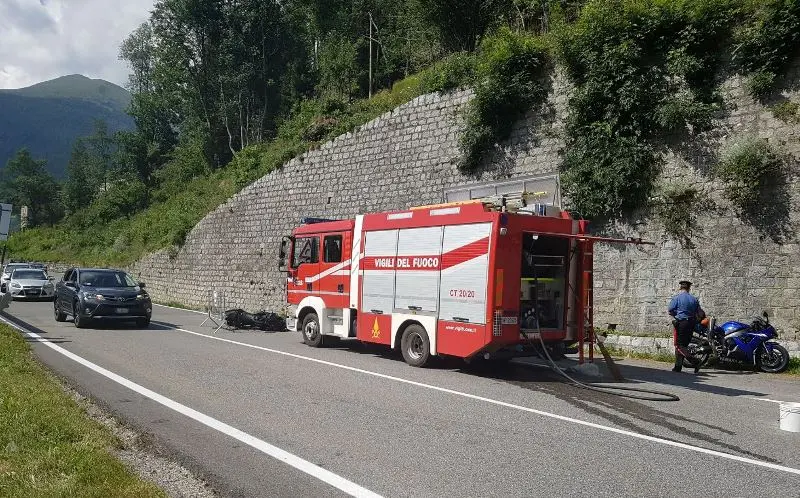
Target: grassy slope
48	447
167	222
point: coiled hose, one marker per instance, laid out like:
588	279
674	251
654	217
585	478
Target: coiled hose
604	388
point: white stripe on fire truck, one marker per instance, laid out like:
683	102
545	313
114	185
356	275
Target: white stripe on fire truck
327	293
330	271
445	211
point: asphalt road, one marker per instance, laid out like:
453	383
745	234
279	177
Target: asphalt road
356	420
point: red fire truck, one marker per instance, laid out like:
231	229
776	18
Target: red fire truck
460	279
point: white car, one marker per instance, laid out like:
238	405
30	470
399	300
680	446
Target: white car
7	273
30	283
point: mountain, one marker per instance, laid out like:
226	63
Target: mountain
48	117
77	86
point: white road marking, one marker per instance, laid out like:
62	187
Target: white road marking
298	463
769	400
180	309
666	442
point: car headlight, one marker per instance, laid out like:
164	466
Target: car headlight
15	285
94	297
141	297
48	285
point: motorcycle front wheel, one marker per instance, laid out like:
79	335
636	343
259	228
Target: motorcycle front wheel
775	361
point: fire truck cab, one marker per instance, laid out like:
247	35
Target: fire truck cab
460	279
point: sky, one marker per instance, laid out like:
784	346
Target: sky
44	39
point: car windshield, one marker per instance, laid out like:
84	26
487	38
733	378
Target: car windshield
28	275
10	268
106	279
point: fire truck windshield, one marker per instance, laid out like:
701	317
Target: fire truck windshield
543	281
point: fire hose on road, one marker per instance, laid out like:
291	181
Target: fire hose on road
594	386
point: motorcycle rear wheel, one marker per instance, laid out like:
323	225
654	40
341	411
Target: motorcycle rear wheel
697	357
775	361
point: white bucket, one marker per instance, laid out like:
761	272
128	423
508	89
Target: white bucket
790	416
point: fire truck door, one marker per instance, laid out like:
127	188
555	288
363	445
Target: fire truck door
419	253
334	272
305	266
377	287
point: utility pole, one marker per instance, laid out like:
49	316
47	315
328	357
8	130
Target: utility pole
370	54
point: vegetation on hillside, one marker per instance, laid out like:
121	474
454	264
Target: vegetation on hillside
224	92
188	188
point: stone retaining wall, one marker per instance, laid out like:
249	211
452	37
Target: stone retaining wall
407	157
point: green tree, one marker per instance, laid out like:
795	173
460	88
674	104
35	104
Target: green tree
338	68
136	156
103	149
540	16
124	197
222	67
145	150
27	183
461	24
80	188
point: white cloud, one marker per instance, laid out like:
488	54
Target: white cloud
45	39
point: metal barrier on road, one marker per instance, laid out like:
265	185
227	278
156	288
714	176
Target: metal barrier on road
216	306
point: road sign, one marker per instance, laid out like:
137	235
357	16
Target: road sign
5	221
23	217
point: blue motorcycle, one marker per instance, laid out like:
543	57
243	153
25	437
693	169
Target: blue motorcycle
738	342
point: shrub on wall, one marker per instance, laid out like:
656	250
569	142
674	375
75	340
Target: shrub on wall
453	72
786	111
677	208
509	73
766	46
748	167
640	70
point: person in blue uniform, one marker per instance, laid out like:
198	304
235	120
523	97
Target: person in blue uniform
684	309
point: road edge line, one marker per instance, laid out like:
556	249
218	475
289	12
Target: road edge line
284	456
179	309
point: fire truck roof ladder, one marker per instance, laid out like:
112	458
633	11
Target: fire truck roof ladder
513	203
442	205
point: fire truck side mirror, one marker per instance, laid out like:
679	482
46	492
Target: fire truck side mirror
283	254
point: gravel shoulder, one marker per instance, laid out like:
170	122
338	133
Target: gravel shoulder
143	455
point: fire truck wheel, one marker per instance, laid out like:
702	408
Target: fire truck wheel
311	333
416	346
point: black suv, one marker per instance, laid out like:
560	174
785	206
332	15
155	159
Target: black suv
87	293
